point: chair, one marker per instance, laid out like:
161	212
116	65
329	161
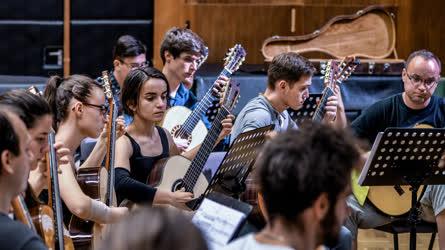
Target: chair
402	226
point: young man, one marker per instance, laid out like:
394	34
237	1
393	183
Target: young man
289	77
15	164
128	53
181	52
304	188
416	105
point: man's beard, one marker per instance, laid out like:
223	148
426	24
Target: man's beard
330	229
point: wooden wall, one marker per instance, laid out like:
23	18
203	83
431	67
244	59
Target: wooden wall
222	23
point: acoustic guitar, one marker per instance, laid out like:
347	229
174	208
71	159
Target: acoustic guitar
177	172
186	124
98	182
396	200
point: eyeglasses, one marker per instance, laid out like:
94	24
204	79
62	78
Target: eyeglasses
136	65
417	80
102	108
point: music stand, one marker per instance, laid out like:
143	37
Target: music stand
237	163
307	111
406	156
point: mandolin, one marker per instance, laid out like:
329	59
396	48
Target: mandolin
98	182
177	172
186	124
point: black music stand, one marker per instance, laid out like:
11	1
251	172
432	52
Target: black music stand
231	174
406	156
307	111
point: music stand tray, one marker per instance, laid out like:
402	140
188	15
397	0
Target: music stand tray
307	111
237	164
406	156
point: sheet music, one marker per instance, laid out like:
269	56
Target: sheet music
217	222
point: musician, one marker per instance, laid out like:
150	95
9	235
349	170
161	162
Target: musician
15	164
168	229
288	79
304	188
35	112
128	53
181	52
79	106
145	97
416	105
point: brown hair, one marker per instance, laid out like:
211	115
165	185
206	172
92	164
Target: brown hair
290	67
154	228
59	92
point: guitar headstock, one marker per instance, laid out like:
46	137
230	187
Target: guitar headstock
329	73
203	57
34	90
345	69
231	95
234	58
106	85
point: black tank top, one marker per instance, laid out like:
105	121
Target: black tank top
140	165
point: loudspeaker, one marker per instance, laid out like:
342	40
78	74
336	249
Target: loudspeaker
112	9
92	43
31	47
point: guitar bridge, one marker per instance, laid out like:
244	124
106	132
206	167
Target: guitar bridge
399	189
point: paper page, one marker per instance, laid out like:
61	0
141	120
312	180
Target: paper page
217	222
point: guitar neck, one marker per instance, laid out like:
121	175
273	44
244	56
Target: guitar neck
201	157
319	112
203	105
56	203
22	213
109	161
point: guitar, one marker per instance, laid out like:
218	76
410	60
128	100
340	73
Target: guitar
177	172
62	237
98	182
186	124
333	75
21	212
394	200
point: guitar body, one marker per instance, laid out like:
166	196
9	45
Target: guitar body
43	218
168	173
173	120
390	202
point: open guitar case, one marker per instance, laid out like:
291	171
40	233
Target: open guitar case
369	34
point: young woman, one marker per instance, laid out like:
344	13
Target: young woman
78	103
36	114
145	97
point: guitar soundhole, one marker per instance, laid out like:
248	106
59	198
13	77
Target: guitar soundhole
177	132
177	185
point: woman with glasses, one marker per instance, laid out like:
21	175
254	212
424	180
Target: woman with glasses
78	104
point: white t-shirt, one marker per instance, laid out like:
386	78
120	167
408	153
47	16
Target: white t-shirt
248	242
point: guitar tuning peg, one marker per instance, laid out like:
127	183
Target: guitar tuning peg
323	71
321	77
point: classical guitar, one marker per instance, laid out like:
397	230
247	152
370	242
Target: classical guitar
395	200
98	182
186	124
177	172
62	237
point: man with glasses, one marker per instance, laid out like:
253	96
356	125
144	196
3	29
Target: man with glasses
415	106
128	53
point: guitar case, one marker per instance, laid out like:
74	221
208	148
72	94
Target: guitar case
369	34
